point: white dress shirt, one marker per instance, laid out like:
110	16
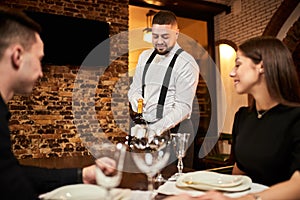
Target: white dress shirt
181	89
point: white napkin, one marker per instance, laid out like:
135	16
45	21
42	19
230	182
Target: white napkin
170	188
86	192
140	195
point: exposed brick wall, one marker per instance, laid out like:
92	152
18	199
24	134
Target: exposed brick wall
42	124
250	22
292	40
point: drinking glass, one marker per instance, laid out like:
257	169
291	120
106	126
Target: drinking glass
109	165
151	162
180	143
162	139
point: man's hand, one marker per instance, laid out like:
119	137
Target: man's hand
107	165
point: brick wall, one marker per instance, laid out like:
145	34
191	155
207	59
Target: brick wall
251	21
42	124
292	40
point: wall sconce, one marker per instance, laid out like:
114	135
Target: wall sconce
148	31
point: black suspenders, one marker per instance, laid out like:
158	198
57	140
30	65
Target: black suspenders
146	69
165	85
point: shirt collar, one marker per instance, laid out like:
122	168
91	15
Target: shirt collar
4	108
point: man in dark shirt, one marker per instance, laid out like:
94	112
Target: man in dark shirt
21	52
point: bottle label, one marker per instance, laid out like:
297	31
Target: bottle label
140	106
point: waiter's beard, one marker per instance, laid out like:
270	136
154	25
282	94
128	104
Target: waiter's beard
164	52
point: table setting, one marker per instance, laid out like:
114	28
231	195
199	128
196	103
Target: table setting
152	158
198	182
93	192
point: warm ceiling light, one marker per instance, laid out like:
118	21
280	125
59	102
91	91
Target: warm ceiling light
147	35
226	51
154	2
148	31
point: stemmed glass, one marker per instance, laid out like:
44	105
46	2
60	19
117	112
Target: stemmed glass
163	138
109	165
151	162
180	143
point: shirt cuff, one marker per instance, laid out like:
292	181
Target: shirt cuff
79	176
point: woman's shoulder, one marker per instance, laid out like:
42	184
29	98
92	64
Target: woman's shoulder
291	110
243	112
279	108
244	109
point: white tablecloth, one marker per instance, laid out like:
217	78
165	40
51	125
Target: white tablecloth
94	192
170	188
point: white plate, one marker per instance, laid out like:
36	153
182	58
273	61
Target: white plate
205	180
84	192
212	179
170	188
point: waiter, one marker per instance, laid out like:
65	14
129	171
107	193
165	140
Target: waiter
166	78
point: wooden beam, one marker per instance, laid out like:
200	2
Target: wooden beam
201	10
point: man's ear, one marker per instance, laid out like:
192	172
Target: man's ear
17	56
177	33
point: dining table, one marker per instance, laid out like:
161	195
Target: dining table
137	181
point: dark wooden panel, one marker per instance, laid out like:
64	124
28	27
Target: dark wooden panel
201	10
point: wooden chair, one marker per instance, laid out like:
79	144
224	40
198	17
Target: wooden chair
217	153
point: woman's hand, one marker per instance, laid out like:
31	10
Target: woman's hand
213	195
181	197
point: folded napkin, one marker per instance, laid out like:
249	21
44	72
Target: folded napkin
140	194
170	188
85	192
206	180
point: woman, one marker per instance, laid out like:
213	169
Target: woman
266	136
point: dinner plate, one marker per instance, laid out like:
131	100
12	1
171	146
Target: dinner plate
84	192
205	180
212	179
170	188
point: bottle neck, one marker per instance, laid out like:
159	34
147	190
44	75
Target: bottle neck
140	106
139	115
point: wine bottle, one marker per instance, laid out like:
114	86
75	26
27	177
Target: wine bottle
139	130
139	119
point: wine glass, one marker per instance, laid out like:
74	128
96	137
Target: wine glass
180	143
109	165
161	139
151	162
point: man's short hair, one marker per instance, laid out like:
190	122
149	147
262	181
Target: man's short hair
16	27
165	17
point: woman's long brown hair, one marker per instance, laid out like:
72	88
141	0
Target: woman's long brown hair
279	69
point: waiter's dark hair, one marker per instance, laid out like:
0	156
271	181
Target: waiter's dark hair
165	17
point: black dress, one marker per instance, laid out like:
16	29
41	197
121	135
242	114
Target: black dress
23	182
267	149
